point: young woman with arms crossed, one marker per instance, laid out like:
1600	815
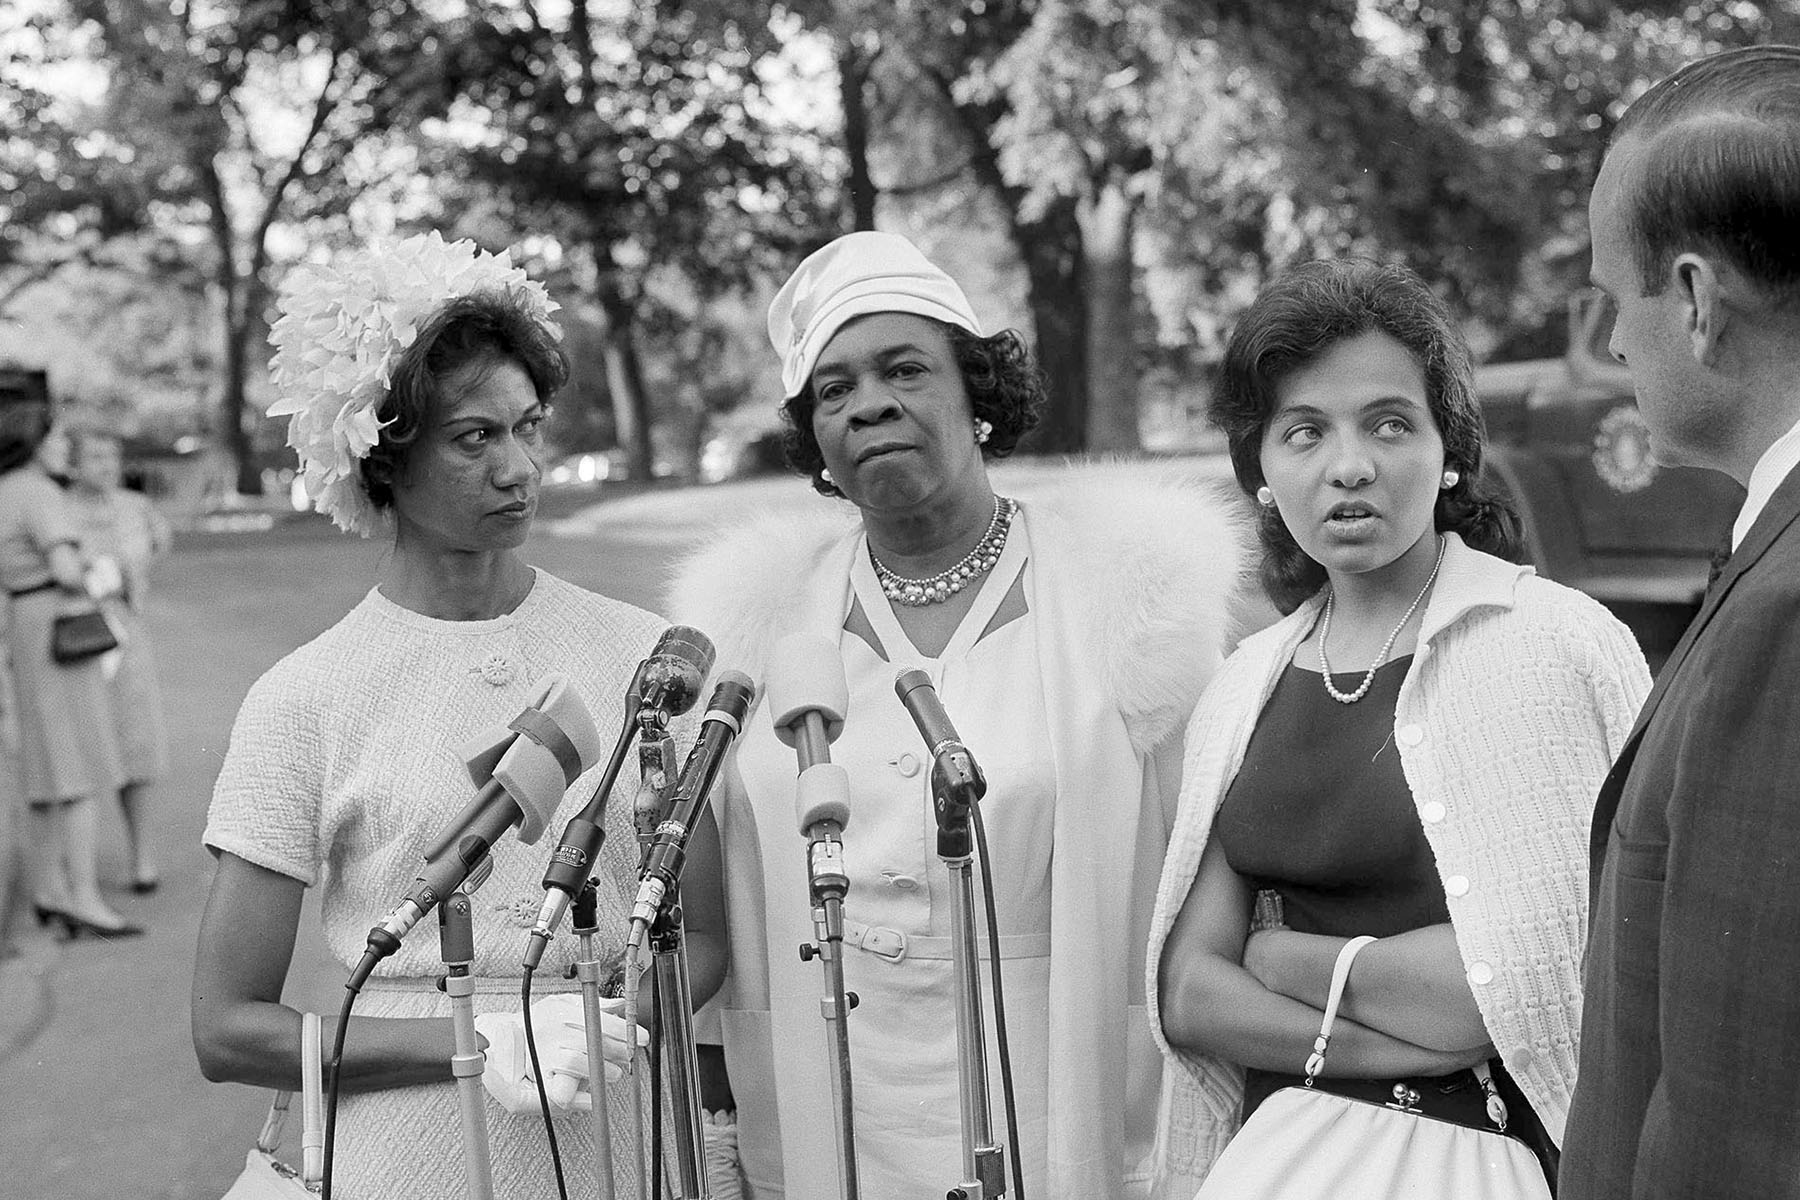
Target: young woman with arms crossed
1412	753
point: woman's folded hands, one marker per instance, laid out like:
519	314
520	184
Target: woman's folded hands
561	1035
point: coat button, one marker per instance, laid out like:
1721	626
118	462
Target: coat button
1480	974
1432	810
1410	735
906	883
907	765
1519	1060
1456	885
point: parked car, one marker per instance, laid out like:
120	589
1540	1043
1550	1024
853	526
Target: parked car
1600	513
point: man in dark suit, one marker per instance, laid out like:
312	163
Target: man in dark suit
1690	1054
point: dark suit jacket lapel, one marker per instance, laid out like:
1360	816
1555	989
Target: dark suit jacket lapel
1780	512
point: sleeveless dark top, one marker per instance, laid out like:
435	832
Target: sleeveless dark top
1321	815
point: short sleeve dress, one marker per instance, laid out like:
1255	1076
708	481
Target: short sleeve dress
345	763
68	749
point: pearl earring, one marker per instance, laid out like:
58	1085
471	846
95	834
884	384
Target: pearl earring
1265	497
825	475
1451	478
983	431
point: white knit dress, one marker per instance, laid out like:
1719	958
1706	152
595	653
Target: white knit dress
345	764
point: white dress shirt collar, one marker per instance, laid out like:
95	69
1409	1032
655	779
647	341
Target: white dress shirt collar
1782	456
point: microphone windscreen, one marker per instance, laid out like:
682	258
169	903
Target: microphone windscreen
822	793
806	674
555	742
676	669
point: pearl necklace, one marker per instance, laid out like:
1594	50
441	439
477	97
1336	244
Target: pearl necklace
935	589
1369	679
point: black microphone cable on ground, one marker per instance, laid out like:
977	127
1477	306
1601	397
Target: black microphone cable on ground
1006	1071
537	1077
331	1088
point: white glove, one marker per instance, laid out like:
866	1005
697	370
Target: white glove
561	1034
103	578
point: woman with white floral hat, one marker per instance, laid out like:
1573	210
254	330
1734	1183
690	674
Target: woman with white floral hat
417	379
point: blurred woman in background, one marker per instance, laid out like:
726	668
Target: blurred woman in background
121	533
69	755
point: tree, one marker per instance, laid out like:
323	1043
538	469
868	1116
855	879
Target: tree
635	144
188	136
934	94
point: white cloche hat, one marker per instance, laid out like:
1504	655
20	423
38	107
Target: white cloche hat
853	276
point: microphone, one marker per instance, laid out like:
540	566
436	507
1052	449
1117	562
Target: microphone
666	685
808	697
671	678
523	771
663	859
956	780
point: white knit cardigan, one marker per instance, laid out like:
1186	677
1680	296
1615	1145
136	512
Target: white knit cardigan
1518	698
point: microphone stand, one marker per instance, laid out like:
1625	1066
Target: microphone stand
829	883
657	767
676	1023
456	939
954	788
585	922
656	915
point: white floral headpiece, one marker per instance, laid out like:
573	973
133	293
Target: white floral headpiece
342	330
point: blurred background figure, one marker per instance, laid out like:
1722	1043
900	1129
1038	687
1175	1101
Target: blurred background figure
53	451
121	534
68	752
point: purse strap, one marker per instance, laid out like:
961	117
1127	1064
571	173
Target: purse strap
312	1107
1340	976
312	1103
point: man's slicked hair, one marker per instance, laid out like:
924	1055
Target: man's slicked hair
1718	169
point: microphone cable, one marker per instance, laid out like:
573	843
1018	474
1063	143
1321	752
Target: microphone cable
537	1077
1006	1071
331	1088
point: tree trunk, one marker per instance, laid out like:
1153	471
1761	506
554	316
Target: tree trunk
853	74
234	300
233	402
1051	250
1107	221
624	374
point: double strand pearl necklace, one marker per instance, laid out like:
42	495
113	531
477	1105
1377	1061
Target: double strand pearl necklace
1369	679
935	589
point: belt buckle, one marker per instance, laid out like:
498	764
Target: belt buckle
877	938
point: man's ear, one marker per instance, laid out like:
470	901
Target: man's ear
1705	297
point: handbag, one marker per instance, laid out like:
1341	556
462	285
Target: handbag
78	636
1306	1144
266	1177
